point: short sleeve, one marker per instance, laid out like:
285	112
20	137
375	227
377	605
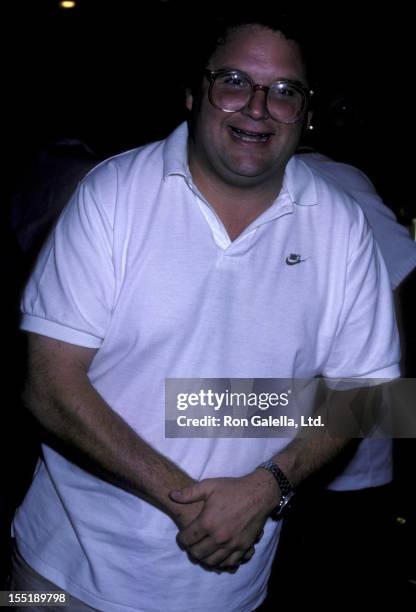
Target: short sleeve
366	343
70	294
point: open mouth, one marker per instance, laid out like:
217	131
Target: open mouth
250	136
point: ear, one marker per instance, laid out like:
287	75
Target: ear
189	100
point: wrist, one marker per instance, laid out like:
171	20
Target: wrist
282	485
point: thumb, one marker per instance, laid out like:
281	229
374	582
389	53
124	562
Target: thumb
187	495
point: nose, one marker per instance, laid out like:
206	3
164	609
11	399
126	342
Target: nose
257	106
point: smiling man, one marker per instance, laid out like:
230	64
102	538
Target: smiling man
177	260
246	123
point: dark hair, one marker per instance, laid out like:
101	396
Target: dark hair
214	32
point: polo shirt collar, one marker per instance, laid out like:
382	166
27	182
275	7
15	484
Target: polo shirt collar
175	154
298	183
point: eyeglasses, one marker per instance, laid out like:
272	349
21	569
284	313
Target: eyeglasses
231	91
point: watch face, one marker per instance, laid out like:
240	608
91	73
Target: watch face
283	506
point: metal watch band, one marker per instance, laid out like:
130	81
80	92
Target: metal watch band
286	489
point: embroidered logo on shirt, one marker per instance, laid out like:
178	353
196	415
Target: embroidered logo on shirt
294	259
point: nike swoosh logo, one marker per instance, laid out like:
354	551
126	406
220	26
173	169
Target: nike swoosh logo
294	259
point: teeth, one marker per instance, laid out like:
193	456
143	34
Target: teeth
250	136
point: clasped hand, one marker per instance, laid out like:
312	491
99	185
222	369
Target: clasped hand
231	521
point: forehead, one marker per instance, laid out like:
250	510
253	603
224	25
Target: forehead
261	52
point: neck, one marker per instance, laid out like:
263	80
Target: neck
237	205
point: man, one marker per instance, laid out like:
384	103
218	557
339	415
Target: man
217	255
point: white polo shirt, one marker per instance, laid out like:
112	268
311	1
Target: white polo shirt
140	267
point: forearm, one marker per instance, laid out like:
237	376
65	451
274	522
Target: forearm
304	457
61	397
347	414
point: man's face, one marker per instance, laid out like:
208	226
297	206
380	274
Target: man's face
224	145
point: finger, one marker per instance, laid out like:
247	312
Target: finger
191	535
259	537
233	561
204	549
248	555
215	560
187	495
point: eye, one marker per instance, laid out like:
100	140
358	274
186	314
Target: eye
233	80
283	90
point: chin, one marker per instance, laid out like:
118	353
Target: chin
254	171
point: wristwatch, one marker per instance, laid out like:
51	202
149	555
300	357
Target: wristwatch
286	489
